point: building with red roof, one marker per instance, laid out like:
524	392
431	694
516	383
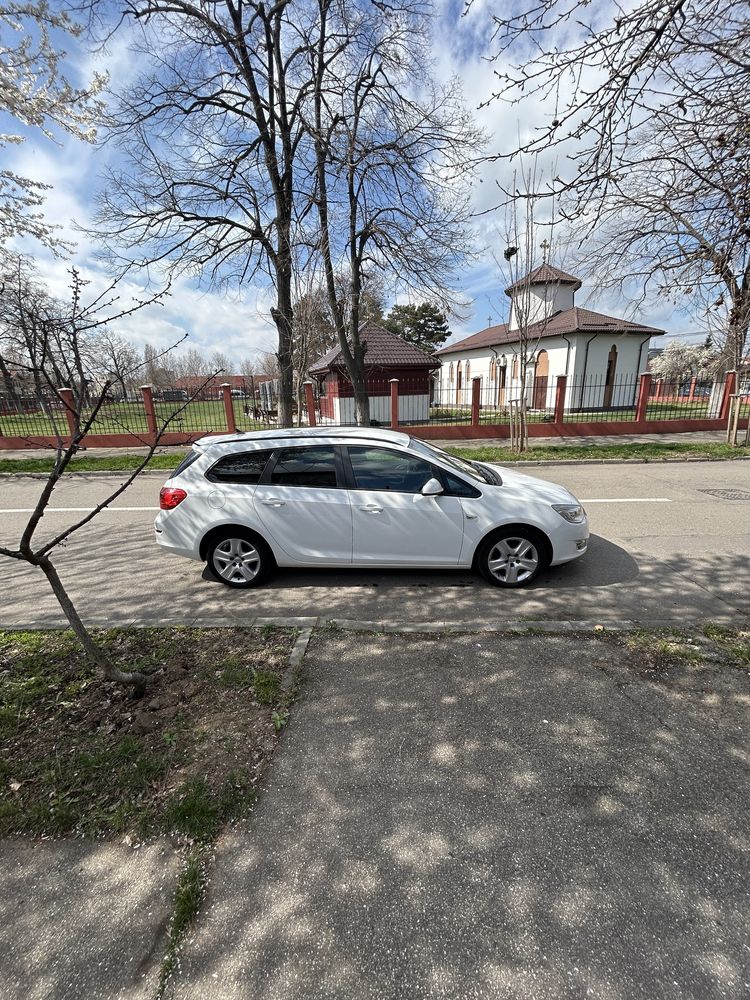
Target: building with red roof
387	356
601	355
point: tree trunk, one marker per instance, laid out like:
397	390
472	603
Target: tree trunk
282	315
94	654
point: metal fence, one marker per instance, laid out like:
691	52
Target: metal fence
422	401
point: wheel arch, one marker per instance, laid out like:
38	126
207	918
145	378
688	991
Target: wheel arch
228	528
541	536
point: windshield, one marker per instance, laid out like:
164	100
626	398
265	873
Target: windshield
467	468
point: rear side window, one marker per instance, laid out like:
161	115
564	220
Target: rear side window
246	467
187	461
314	467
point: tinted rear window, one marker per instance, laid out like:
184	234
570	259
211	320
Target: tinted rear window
313	467
246	467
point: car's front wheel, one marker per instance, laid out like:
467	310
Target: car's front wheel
512	557
237	559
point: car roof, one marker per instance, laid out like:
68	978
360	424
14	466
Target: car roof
302	434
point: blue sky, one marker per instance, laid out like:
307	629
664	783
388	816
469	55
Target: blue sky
239	324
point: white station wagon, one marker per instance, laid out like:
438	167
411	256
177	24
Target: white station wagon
364	497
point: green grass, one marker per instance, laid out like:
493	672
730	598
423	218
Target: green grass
189	893
198	811
485	453
92	463
645	452
79	756
736	644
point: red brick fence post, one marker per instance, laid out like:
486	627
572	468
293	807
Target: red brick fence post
644	392
66	395
226	391
394	404
148	406
560	390
476	384
310	403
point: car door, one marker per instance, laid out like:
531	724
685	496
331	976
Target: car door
393	524
303	504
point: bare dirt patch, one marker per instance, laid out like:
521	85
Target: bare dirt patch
81	756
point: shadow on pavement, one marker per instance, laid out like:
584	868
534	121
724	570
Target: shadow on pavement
480	817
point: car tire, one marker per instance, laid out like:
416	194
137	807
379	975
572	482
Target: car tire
512	557
239	559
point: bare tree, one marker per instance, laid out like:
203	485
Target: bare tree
209	143
605	71
70	328
527	240
221	362
118	359
190	364
390	161
676	220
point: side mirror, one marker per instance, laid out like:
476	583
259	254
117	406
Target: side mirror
431	488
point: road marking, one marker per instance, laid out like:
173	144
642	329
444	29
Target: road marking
69	510
629	500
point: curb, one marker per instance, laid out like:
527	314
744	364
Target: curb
309	625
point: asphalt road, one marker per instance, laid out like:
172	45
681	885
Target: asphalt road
662	550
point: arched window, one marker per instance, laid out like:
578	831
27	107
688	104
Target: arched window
459	376
492	369
450	372
515	367
468	370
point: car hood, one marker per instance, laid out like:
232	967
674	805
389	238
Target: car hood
517	482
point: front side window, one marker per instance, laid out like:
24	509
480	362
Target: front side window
312	467
377	469
246	467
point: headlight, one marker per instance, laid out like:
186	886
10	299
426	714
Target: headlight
572	512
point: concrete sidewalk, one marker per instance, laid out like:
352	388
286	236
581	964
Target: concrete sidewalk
481	817
83	919
463	817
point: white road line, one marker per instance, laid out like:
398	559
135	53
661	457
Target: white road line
70	510
629	500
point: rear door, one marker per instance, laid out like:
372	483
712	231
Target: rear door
393	524
303	504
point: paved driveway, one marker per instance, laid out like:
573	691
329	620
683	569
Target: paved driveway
662	549
480	818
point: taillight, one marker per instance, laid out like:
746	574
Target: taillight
170	497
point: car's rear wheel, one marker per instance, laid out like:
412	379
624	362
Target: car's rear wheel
512	557
239	560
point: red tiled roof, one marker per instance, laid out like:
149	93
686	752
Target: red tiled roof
575	320
384	350
545	274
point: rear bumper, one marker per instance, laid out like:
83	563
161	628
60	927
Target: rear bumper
169	536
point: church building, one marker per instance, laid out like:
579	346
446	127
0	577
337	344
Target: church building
601	355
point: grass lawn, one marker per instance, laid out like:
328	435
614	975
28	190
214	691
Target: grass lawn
645	452
483	453
80	757
120	418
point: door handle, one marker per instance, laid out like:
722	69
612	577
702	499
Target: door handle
372	509
471	517
273	502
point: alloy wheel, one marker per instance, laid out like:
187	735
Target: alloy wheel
513	560
236	560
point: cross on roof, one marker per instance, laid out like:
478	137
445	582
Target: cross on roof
544	248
